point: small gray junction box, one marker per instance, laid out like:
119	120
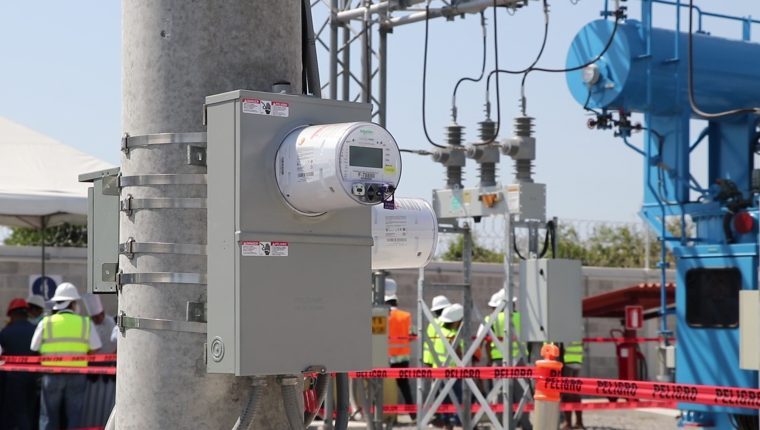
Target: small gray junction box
551	297
285	290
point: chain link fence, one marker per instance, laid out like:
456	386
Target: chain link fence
597	242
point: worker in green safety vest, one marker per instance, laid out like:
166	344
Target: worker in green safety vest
64	333
451	319
495	354
572	357
439	304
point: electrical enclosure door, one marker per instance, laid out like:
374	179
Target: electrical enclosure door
710	278
285	291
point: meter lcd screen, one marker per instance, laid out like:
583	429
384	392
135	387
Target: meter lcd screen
360	156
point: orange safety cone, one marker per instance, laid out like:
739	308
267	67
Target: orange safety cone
547	401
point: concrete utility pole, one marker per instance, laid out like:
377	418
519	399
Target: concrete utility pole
175	53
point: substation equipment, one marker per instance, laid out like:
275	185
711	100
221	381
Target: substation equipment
299	190
548	290
646	70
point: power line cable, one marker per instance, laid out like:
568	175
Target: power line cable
467	79
424	79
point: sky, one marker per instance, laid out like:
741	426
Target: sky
61	76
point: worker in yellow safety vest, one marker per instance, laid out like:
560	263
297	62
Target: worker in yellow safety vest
572	357
64	333
399	345
451	320
439	304
495	354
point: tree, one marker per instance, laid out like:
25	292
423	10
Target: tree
479	253
606	246
62	235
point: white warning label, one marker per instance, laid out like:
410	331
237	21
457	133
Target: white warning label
396	230
266	107
255	248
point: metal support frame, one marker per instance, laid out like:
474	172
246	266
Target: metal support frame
350	24
427	405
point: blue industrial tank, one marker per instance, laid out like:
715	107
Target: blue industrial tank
726	72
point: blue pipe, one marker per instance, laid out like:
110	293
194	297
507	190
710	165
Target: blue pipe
628	144
663	234
746	20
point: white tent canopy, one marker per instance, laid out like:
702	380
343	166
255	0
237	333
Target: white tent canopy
39	179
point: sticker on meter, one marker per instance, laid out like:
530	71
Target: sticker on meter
255	248
266	107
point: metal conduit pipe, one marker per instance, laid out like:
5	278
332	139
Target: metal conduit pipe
290	393
342	415
252	405
321	387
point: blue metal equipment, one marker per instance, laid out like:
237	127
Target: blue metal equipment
644	69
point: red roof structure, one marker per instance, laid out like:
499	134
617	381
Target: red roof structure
612	304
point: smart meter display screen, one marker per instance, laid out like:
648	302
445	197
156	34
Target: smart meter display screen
360	156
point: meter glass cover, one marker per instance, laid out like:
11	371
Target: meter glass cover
361	156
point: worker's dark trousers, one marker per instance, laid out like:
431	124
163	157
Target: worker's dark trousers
404	386
19	400
62	393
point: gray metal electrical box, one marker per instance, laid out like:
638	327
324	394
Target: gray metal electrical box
102	230
285	290
551	300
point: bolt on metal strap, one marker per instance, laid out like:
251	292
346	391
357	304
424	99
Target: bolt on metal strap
130	248
161	278
161	179
131	142
125	323
130	204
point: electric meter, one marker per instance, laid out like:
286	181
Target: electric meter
337	166
405	237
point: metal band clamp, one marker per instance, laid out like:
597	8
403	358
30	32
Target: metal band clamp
172	179
131	204
130	142
125	323
130	248
161	278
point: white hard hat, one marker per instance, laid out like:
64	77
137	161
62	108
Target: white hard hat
36	300
389	297
452	313
64	295
93	304
497	298
390	287
440	302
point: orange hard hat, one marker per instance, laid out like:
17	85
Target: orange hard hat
16	304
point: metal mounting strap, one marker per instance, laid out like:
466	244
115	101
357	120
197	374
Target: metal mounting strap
125	323
130	247
161	278
130	142
172	179
130	204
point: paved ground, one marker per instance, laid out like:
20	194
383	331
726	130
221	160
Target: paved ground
652	419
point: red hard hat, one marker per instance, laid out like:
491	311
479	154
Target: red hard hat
16	304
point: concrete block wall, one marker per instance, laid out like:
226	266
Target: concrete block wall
488	278
18	263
